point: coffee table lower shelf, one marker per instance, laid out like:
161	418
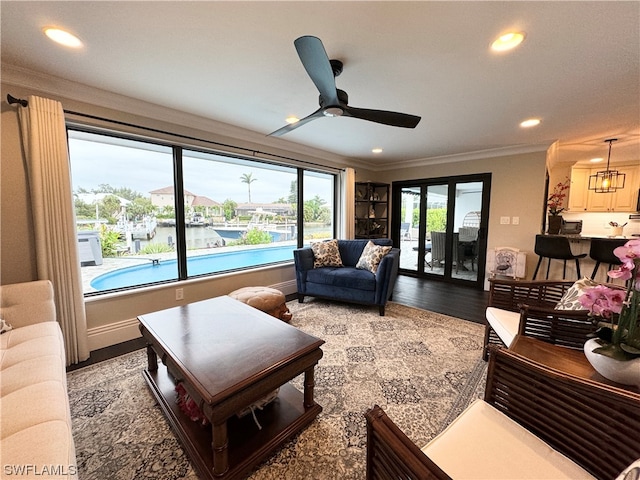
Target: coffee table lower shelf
248	445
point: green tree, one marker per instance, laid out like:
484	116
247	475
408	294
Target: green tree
315	210
255	236
84	211
109	240
229	208
248	179
436	219
139	207
109	208
293	193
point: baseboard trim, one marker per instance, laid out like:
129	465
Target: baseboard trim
125	330
113	333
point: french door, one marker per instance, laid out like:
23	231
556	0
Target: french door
440	225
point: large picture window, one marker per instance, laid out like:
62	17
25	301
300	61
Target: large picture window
233	213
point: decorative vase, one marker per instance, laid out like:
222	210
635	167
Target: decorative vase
619	371
554	224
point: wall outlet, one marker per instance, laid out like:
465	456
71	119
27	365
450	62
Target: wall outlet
515	221
505	220
179	293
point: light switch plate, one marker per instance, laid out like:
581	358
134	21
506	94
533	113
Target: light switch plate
515	220
505	220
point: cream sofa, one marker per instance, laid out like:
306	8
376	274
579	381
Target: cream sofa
35	420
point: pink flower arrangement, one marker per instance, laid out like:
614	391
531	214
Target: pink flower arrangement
556	199
602	301
621	338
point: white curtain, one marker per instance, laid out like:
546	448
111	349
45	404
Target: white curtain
346	227
44	141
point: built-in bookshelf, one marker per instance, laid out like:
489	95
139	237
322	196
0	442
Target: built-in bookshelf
372	210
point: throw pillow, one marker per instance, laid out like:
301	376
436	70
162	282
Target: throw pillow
571	298
326	254
371	256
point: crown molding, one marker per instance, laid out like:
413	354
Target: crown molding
467	156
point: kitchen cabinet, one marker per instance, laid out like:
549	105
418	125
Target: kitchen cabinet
372	210
581	199
578	190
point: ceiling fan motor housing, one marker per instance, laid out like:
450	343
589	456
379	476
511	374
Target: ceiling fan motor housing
335	110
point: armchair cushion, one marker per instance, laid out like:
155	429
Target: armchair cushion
326	254
504	322
343	277
484	443
571	298
371	256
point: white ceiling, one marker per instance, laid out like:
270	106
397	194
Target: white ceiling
234	62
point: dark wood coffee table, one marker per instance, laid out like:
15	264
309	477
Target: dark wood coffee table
227	356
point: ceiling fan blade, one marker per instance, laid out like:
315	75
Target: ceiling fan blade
299	123
394	119
316	62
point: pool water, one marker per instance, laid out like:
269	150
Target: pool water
198	265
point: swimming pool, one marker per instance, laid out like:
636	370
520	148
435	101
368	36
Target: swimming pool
198	265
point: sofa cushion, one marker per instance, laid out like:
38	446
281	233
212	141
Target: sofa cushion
371	256
504	322
32	341
34	404
347	277
351	250
326	254
571	298
47	446
483	443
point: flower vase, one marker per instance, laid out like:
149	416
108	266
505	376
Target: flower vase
625	372
554	224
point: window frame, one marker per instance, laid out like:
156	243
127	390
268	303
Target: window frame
178	149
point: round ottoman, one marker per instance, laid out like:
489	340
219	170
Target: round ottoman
268	300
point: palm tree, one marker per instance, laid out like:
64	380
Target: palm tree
248	179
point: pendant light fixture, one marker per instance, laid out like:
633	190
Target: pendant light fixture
607	181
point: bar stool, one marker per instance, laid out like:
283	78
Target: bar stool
601	251
556	247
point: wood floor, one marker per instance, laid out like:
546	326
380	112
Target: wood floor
455	300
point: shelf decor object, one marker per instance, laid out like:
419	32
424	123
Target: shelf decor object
372	210
607	181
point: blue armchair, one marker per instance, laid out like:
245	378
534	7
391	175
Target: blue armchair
347	283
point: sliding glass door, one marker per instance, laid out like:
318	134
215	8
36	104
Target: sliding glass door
440	225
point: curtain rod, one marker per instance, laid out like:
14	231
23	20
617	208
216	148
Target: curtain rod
12	100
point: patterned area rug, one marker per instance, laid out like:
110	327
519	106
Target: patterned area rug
423	368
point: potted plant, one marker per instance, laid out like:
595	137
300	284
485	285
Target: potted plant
615	350
555	206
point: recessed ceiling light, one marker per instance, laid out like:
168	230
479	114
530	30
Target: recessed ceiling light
292	119
596	160
531	122
507	41
62	37
376	150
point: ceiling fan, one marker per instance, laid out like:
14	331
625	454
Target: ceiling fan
333	101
